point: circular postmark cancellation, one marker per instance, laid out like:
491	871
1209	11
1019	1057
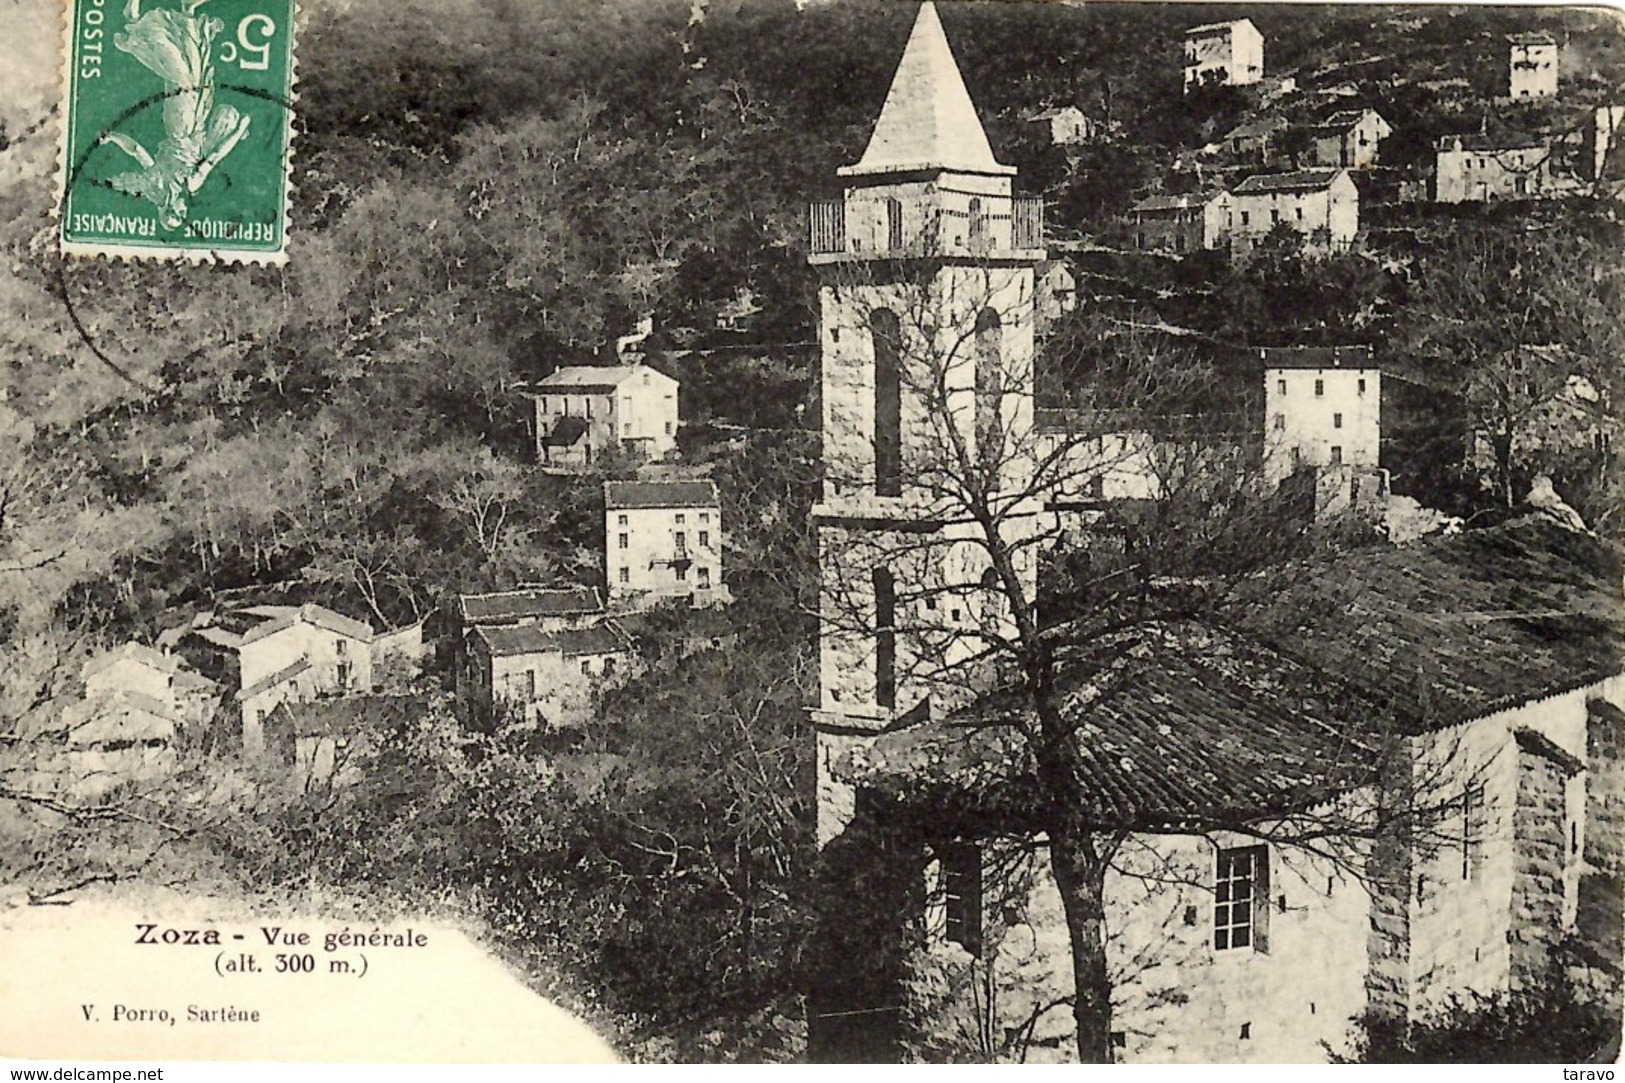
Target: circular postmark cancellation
177	129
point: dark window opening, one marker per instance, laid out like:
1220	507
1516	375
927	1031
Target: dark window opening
894	224
989	382
962	895
978	222
885	638
887	336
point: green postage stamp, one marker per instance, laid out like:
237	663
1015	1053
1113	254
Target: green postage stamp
176	132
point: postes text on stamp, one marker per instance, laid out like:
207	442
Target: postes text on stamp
176	128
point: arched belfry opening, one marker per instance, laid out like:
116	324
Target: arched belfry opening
988	343
886	334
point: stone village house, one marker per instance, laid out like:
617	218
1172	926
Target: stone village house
275	654
1478	169
1322	205
1230	53
1462	671
584	411
1262	947
1532	66
139	706
1350	139
540	653
663	539
1183	223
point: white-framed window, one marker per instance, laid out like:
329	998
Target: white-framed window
705	539
1240	899
620	520
1280	422
622	541
1337	421
1320	389
681	519
704	575
705	517
586	666
1360	386
1280	387
1337	455
626	575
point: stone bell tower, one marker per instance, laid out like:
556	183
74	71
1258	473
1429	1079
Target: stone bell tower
927	318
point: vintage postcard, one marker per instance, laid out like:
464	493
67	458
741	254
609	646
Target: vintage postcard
807	531
177	120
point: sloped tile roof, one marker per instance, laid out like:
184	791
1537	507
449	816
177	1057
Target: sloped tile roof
504	642
528	603
1464	626
1199	723
281	676
1298	180
660	494
1315	357
135	652
320	616
341	716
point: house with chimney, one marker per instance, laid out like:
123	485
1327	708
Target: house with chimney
583	412
270	654
1228	53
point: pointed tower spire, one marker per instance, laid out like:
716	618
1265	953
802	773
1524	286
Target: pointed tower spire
928	121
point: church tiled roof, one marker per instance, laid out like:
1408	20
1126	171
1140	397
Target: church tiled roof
1294	703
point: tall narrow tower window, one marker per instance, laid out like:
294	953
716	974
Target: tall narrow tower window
894	224
978	223
885	638
886	333
989	346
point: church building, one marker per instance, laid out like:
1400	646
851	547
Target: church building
1207	757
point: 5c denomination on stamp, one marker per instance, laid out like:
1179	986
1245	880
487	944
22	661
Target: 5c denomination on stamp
177	127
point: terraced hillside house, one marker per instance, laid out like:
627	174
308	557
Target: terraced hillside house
1067	125
584	411
548	678
1322	407
1252	142
273	654
1350	139
663	539
1184	223
1532	66
1354	693
1321	205
138	705
1479	169
1229	53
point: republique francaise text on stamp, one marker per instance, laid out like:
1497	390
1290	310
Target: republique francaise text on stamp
176	128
